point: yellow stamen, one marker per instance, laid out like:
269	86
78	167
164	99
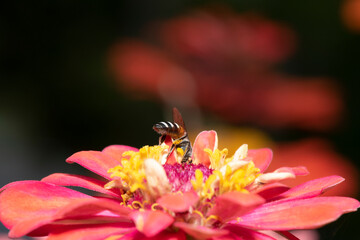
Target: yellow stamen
212	217
137	205
199	213
198	182
156	207
217	157
239	179
131	171
208	204
227	179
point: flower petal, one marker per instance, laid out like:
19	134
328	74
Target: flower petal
297	171
245	233
157	182
234	204
273	177
172	157
95	161
281	174
311	188
178	202
43	225
205	139
270	191
25	227
261	157
32	199
116	151
63	179
164	235
241	153
80	212
95	232
200	232
234	165
306	213
150	222
92	206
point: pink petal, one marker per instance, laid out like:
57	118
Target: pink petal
234	204
116	151
95	161
164	235
306	213
229	236
150	222
261	157
80	211
26	226
95	232
178	202
306	234
245	233
14	184
311	188
272	190
273	177
33	199
43	225
297	171
63	179
205	139
92	206
293	235
172	158
200	232
288	235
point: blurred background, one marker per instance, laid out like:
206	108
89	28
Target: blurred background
82	75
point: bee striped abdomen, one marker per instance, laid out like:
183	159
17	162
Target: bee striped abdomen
169	128
177	131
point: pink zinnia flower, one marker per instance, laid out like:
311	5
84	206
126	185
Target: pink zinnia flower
146	196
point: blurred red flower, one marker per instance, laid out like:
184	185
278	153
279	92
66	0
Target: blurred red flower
321	160
225	63
351	14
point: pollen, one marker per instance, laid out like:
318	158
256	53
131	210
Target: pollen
131	170
217	157
204	188
237	180
230	174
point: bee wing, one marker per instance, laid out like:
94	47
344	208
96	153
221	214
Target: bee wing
177	118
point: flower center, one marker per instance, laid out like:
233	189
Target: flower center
180	176
142	178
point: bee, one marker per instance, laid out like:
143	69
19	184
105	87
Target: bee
177	131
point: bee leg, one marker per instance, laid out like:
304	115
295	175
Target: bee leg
186	146
162	139
186	160
171	150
